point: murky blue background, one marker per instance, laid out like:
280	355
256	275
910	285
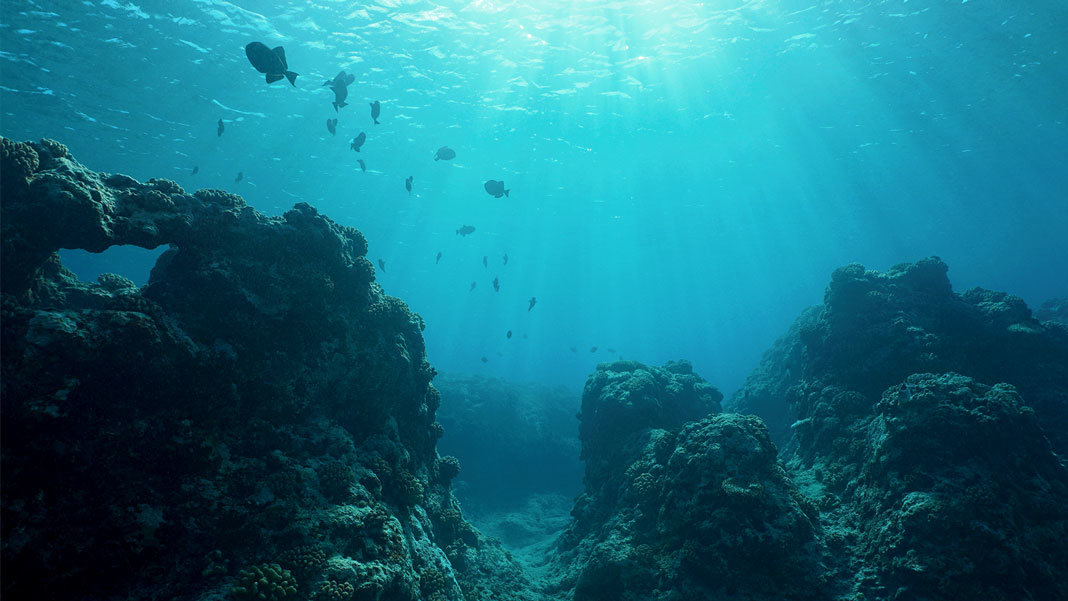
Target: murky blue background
684	176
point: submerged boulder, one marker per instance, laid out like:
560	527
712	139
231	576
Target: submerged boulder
681	502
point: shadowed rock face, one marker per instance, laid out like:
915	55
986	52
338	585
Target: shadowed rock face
925	426
875	329
260	401
681	502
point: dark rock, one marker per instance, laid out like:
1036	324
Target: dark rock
248	408
1054	310
679	509
959	496
876	329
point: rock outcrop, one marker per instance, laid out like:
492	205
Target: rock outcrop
682	503
929	428
876	329
255	422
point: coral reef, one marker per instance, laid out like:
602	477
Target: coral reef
258	415
875	329
930	484
681	502
1054	310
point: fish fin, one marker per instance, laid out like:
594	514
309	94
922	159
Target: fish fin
273	77
506	193
281	54
435	158
351	78
335	106
340	75
376	121
292	77
341	103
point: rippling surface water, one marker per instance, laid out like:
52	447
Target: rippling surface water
683	176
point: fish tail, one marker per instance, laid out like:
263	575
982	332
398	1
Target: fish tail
435	158
335	106
292	77
506	193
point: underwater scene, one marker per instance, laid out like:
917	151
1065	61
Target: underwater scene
588	300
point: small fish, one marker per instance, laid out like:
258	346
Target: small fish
363	166
271	62
611	350
495	188
485	360
358	141
445	154
473	284
196	169
508	335
524	336
376	110
340	86
574	350
485	261
465	230
240	176
331	126
505	258
496	285
593	349
533	301
382	265
408	184
219	130
438	258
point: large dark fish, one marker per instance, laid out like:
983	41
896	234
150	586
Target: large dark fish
219	130
438	259
271	62
505	258
358	141
445	154
496	285
593	349
363	166
533	301
509	334
473	284
496	188
465	230
196	169
485	261
340	86
331	126
376	110
240	176
382	265
408	184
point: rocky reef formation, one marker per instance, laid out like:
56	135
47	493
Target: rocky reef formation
1054	310
926	426
875	329
257	422
682	502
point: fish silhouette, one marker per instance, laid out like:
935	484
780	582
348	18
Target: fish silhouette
270	61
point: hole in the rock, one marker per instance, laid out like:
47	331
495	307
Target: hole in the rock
129	261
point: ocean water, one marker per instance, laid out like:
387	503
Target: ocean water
683	176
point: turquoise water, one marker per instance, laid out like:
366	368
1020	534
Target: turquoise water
683	176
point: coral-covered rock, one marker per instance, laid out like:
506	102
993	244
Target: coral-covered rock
875	329
681	509
959	496
224	419
1055	310
625	400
